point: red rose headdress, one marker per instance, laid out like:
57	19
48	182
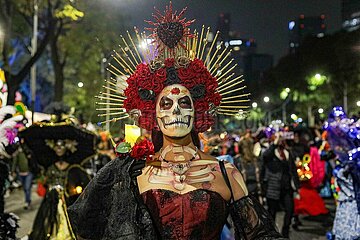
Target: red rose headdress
172	55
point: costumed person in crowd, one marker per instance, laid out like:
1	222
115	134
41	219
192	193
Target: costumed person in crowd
310	203
60	148
181	193
249	166
311	172
344	140
8	221
280	181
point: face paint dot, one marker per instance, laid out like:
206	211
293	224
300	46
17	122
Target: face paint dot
175	91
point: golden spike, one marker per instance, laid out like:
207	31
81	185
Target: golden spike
229	114
237	96
147	50
223	68
114	119
230	86
205	42
120	62
140	40
110	104
226	79
199	41
111	89
234	90
227	72
213	67
116	69
234	101
108	114
215	54
223	83
110	109
233	107
131	52
211	47
133	44
128	58
192	54
111	83
111	99
112	95
229	110
111	71
127	65
122	81
221	62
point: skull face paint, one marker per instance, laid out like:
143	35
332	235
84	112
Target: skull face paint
175	111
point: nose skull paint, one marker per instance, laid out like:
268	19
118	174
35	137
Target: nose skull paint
175	111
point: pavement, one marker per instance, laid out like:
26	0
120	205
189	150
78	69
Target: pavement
313	228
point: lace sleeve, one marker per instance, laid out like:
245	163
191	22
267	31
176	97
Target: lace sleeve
252	221
110	207
89	214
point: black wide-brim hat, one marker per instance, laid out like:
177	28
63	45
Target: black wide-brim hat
37	136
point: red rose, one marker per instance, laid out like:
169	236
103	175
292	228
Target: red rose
143	149
160	74
201	106
197	65
148	105
147	119
216	99
203	122
185	74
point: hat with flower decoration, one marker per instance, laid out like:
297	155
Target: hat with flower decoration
168	53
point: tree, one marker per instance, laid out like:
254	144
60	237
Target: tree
86	44
17	16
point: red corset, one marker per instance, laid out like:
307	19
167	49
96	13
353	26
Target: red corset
199	214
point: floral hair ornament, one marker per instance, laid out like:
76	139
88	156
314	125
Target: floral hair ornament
142	150
171	54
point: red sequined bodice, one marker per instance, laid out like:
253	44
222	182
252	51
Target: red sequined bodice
199	214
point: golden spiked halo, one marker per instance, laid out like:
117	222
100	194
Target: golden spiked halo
153	49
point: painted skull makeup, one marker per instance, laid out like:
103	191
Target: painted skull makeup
175	111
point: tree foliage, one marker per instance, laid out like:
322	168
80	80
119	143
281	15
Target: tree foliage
334	57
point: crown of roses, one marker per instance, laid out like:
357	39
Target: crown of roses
172	55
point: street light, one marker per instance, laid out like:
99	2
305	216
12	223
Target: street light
358	103
254	105
266	99
287	90
80	84
321	110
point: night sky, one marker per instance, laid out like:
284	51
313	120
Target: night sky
264	20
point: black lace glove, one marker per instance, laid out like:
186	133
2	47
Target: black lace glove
252	221
136	167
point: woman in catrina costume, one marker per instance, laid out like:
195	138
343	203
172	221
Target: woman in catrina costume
170	189
60	148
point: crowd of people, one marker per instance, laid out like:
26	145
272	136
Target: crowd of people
287	168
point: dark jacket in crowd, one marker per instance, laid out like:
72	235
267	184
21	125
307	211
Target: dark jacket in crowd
278	176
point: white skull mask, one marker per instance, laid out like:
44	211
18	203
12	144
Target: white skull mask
175	111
